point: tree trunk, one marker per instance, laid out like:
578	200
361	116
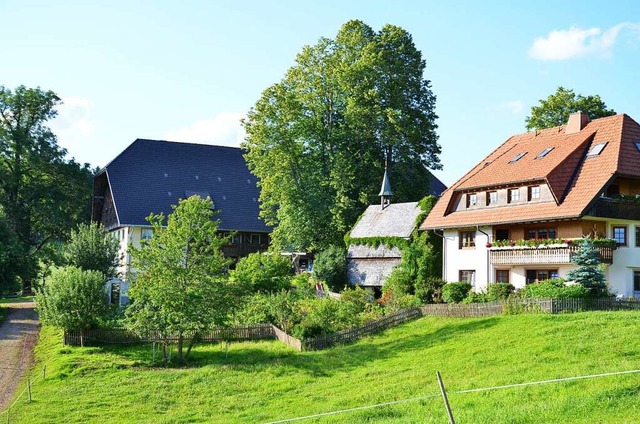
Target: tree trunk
191	343
180	344
165	359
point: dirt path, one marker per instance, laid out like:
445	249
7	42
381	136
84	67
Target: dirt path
18	335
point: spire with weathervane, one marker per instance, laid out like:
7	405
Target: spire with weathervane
385	190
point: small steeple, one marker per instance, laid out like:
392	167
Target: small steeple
385	190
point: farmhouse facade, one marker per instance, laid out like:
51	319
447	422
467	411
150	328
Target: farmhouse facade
150	176
519	214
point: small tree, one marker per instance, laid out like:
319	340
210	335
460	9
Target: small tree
262	272
179	286
330	265
92	248
73	299
588	273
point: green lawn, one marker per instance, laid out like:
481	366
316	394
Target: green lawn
267	381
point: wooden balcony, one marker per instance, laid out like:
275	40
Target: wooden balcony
242	249
615	208
542	256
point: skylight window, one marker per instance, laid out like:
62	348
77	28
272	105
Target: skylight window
544	153
518	157
597	149
638	145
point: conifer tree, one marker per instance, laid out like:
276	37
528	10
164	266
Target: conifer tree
588	273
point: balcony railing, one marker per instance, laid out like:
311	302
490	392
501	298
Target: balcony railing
242	249
551	255
614	208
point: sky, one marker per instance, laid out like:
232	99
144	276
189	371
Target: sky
190	70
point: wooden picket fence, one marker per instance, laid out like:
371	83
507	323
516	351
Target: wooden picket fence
268	331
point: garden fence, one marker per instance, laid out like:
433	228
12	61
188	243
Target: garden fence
268	331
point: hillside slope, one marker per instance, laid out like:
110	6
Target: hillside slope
267	381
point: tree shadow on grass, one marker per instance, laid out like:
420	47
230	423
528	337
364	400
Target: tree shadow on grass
256	355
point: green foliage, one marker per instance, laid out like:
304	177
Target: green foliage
554	288
73	299
588	273
455	292
179	284
43	195
419	270
474	297
330	266
399	282
395	302
429	290
262	272
90	247
11	257
375	242
499	291
555	110
316	138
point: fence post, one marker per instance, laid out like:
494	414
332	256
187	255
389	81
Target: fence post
29	389
444	397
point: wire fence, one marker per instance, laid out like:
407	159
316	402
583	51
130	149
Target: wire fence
27	392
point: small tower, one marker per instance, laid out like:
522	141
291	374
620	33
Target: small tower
385	190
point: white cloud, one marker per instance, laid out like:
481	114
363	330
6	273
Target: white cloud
223	129
578	42
73	125
515	106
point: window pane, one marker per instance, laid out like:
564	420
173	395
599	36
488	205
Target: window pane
636	280
637	235
502	276
620	235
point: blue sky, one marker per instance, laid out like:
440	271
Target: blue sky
188	71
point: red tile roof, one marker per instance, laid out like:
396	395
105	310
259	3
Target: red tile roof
574	178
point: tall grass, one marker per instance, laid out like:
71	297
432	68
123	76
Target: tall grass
267	381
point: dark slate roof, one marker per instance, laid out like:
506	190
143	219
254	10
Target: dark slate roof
395	220
436	187
150	176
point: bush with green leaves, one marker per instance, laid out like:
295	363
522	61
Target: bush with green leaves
92	248
330	266
455	292
554	288
499	291
263	272
474	297
73	299
429	290
399	281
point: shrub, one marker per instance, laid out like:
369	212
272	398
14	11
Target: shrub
399	281
260	272
394	303
474	297
92	248
429	290
554	288
73	299
330	265
455	292
499	291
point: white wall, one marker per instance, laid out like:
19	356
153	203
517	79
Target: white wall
457	259
626	259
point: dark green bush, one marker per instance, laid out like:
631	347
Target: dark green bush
399	282
499	291
554	288
330	266
263	272
455	292
474	297
429	290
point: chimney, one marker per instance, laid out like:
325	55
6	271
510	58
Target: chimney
577	121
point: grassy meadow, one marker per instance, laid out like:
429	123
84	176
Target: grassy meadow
267	381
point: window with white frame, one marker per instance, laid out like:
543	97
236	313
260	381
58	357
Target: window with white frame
467	275
472	199
467	239
513	195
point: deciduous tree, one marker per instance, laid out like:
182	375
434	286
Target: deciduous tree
43	194
318	139
179	287
92	248
555	109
